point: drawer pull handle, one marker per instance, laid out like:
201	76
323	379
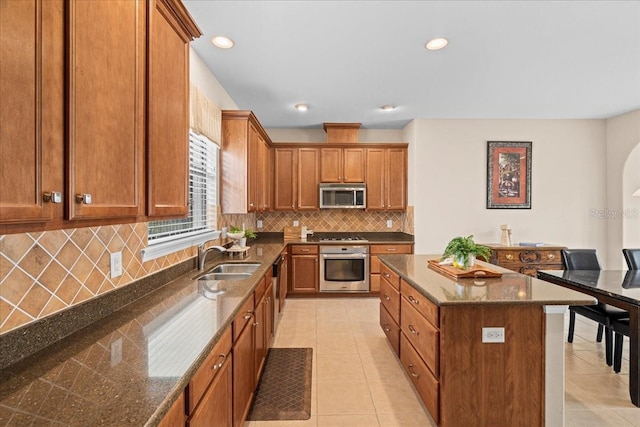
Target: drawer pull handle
386	275
387	297
249	315
413	300
551	256
304	250
222	358
413	373
413	330
256	323
509	257
386	327
391	249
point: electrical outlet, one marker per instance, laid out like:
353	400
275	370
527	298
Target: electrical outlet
493	335
116	264
389	223
116	352
296	223
259	223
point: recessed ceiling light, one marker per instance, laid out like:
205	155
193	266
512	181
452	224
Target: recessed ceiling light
222	42
388	107
301	107
437	43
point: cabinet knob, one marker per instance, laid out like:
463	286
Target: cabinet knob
387	297
83	198
413	373
509	257
551	256
222	358
52	197
413	300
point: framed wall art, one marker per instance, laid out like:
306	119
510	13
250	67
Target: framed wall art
508	175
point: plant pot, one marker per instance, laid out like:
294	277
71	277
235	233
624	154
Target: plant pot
235	236
458	262
242	242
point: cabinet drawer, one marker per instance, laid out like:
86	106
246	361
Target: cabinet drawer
528	257
260	289
390	329
424	337
390	276
390	249
209	369
390	298
427	308
243	317
425	383
304	249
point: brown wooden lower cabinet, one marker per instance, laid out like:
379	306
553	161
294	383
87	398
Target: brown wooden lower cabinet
244	380
215	408
462	380
527	259
390	328
304	269
176	415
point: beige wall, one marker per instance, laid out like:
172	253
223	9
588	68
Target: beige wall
449	182
623	178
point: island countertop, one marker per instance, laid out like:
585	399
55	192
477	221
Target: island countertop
511	288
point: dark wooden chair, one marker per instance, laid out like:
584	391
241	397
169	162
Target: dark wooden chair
586	259
621	326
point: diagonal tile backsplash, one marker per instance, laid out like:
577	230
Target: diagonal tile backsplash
45	272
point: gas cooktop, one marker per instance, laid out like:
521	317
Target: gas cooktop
348	239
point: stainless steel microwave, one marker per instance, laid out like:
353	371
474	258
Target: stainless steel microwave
343	196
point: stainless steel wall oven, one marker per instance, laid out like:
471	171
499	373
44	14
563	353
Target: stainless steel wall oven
344	268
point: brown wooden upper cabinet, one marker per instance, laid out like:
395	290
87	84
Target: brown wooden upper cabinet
74	77
342	164
386	178
243	168
169	33
297	171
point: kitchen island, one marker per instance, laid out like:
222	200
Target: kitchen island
479	351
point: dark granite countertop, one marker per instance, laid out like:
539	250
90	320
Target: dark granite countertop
127	368
511	288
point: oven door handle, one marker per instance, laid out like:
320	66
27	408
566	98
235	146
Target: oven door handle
342	256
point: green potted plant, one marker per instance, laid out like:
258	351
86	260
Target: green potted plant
464	251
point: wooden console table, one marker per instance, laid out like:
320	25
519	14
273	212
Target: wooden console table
527	259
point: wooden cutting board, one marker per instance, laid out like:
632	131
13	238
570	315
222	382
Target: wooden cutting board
292	233
477	271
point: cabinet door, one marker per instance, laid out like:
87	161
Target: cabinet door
31	107
375	178
285	168
304	273
308	178
168	115
215	408
243	375
269	313
331	165
260	337
283	281
106	51
396	178
176	415
252	169
353	165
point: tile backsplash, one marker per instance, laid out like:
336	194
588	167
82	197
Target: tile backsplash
45	272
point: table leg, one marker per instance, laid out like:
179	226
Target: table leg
634	355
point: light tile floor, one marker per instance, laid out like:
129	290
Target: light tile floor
358	381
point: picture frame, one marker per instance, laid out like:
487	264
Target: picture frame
509	174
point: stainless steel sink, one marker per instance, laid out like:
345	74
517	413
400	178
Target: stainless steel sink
235	268
224	276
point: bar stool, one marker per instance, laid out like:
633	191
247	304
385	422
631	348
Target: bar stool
586	259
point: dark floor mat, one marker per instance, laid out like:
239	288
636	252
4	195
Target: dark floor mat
284	392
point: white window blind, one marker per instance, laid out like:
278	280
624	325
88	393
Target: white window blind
203	195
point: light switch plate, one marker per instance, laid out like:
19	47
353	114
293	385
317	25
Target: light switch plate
259	223
389	223
493	335
116	264
296	223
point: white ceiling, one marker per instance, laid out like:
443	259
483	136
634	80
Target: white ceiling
505	59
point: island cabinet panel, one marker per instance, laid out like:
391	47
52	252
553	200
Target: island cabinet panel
427	309
105	108
390	298
492	383
424	337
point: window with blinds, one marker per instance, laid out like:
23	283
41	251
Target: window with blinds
203	195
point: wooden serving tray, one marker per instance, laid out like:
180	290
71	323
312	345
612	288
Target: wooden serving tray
472	272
